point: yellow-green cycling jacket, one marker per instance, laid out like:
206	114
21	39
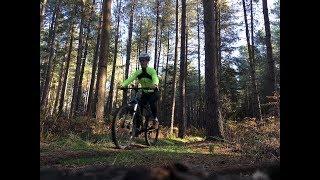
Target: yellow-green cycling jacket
146	76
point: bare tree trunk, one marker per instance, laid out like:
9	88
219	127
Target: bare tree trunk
52	87
156	40
75	99
79	93
52	35
148	37
137	59
124	100
271	73
49	42
218	46
116	100
213	111
92	99
158	61
164	106
60	83
182	78
187	96
68	104
104	54
257	98
217	18
257	108
186	51
65	74
199	71
140	34
247	98
87	93
173	100
49	105
50	47
43	6
110	97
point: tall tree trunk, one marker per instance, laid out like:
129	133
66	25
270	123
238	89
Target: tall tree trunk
116	100
164	117
92	99
187	96
213	111
79	95
199	71
218	46
148	37
186	51
156	40
60	83
49	106
257	98
65	74
271	73
52	87
160	42
187	63
140	36
104	54
68	104
218	27
247	98
46	86
174	86
85	104
58	92
257	108
43	6
124	100
51	31
75	99
137	59
50	47
182	78
110	97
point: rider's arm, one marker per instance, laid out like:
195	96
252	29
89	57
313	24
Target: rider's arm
132	77
155	79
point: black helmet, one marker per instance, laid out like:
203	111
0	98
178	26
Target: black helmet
144	56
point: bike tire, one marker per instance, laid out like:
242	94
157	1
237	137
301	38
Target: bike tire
128	125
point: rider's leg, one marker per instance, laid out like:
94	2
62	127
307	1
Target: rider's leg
153	99
142	104
153	107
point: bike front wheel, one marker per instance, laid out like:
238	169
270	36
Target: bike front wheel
123	127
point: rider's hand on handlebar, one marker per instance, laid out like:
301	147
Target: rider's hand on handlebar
154	86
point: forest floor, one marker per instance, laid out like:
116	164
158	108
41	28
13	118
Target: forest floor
73	154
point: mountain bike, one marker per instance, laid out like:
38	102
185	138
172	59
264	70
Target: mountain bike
133	120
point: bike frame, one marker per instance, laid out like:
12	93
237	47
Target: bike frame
135	102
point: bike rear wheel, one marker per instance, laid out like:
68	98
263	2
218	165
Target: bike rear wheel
123	127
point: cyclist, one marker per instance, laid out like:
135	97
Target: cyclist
148	78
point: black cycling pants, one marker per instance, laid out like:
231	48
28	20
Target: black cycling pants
151	99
